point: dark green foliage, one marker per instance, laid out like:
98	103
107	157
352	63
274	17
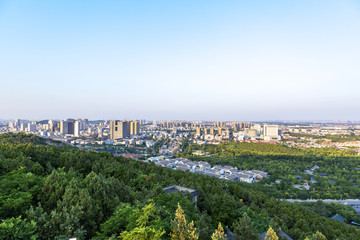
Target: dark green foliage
244	229
17	228
284	163
333	138
17	191
326	210
236	149
21	138
63	192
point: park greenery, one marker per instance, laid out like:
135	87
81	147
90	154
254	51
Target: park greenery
51	192
332	138
338	175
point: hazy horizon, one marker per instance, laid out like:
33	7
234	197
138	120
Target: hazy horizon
210	60
195	120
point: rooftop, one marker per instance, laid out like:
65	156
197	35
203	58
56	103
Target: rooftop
183	190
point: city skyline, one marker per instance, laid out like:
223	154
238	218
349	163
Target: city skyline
205	60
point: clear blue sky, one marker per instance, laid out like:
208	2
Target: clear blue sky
185	59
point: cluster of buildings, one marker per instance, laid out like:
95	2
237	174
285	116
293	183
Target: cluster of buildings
316	135
67	130
147	133
171	147
146	137
322	129
218	171
144	134
238	131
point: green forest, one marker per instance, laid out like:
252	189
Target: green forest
340	170
333	138
52	192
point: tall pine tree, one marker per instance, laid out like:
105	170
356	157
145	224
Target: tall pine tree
181	230
271	235
218	234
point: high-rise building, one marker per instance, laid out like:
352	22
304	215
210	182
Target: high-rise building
219	130
212	131
205	131
63	127
77	126
71	127
137	128
271	131
134	128
197	131
51	125
23	127
123	129
31	127
67	126
117	129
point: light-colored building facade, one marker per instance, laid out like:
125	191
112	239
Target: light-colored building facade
123	129
271	131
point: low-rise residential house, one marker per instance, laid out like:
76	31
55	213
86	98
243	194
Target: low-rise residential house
337	217
154	159
181	166
260	174
218	170
174	188
232	171
232	177
160	163
249	178
192	165
204	165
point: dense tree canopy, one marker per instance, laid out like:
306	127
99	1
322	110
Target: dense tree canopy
338	175
57	192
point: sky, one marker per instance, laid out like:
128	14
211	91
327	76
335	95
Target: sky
189	60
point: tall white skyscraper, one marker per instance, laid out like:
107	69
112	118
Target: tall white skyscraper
77	126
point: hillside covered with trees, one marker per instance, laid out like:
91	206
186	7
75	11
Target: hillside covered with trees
50	192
